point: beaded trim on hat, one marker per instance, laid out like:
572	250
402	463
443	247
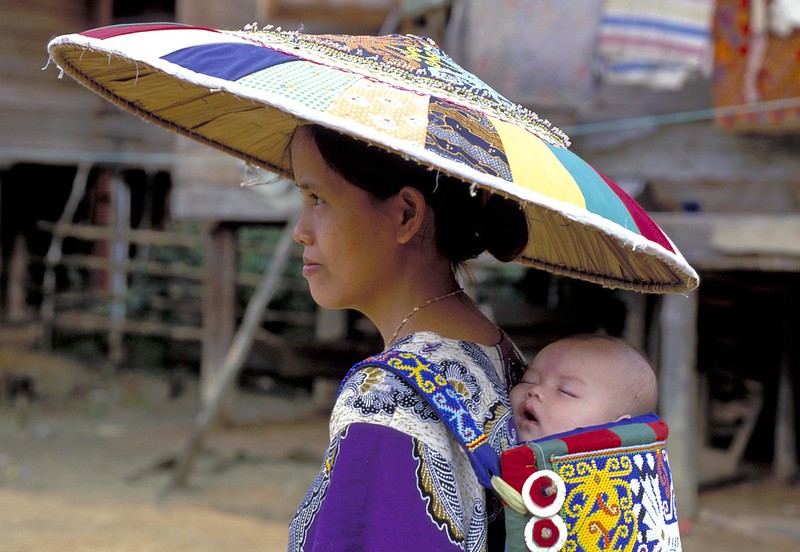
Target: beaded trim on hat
414	61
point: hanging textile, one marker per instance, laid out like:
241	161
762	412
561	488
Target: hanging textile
534	52
655	43
756	84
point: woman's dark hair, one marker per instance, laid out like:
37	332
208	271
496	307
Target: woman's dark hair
465	225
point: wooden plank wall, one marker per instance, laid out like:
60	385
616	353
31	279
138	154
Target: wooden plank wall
47	119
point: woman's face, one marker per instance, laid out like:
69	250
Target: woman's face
346	238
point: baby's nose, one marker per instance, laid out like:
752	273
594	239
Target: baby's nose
535	390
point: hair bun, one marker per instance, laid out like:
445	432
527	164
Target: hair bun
503	228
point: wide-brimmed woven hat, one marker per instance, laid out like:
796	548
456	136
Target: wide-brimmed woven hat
244	92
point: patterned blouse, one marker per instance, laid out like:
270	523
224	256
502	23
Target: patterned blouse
394	478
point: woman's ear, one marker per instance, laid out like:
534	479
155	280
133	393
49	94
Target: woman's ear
410	210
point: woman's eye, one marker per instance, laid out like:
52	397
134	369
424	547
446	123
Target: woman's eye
312	199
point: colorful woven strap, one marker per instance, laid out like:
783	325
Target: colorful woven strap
430	383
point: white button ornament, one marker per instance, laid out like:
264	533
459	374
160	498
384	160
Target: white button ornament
543	493
545	535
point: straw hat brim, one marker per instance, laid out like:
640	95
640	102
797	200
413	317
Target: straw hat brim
245	93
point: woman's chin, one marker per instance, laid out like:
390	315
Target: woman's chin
323	299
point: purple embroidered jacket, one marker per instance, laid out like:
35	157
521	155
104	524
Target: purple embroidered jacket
393	477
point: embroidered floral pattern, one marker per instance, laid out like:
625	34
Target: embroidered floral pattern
439	488
379	392
314	498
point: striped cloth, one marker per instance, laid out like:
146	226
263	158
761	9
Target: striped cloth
655	43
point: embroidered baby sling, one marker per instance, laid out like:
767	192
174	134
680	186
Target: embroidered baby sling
605	487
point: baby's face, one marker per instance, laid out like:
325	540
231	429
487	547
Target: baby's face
569	384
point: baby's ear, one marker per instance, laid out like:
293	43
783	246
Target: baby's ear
623	417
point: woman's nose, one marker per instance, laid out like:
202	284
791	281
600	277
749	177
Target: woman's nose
301	233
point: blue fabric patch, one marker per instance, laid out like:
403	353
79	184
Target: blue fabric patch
227	61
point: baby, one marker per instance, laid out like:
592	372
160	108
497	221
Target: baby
581	381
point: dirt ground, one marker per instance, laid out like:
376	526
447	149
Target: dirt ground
85	467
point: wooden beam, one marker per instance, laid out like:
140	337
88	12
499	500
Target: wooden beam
735	241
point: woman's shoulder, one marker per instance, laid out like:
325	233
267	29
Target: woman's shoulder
476	369
385	382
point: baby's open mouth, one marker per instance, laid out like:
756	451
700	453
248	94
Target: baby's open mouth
531	416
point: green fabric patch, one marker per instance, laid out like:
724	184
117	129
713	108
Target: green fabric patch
311	84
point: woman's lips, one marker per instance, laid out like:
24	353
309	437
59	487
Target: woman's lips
310	267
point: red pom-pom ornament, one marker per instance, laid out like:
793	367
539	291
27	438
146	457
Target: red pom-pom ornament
545	535
543	493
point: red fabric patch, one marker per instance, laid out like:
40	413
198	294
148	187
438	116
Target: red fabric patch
118	30
592	440
539	493
517	464
661	430
644	223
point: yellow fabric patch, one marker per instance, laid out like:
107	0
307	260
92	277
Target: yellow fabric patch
395	112
535	167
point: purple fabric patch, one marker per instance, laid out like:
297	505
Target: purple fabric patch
227	61
372	502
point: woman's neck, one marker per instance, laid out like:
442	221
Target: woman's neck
450	314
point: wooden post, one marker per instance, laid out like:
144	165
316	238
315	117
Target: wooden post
678	394
119	252
635	318
235	356
784	465
54	253
219	310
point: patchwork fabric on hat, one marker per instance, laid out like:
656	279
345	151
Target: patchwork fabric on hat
599	488
245	92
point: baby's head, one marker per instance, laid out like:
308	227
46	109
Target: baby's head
581	381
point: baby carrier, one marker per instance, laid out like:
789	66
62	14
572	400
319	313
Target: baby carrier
606	487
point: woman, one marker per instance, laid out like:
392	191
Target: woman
385	236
